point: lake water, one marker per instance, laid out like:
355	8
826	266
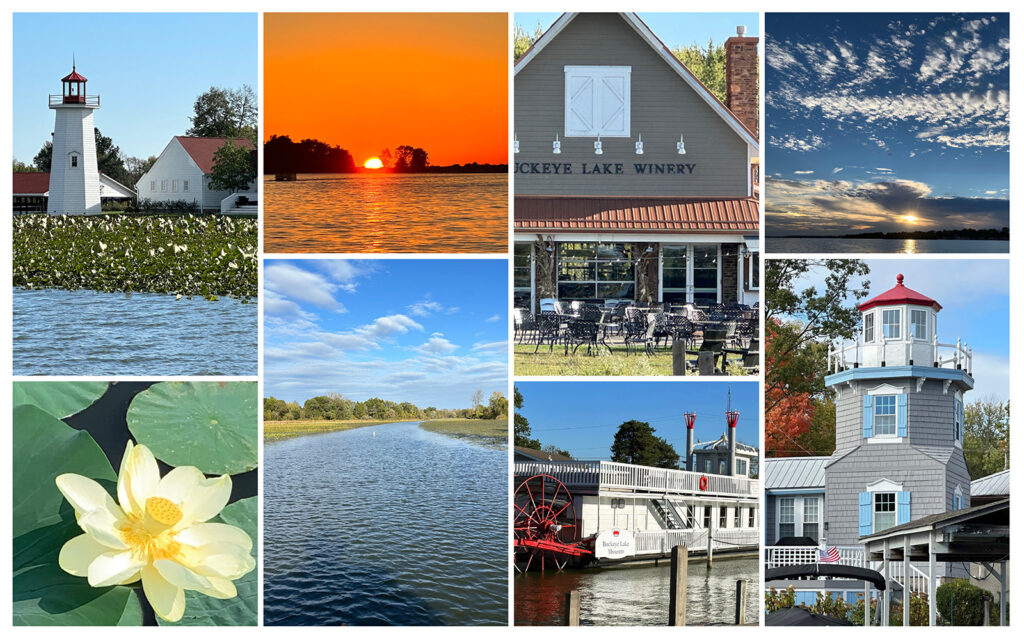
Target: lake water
370	213
636	596
88	333
883	245
384	525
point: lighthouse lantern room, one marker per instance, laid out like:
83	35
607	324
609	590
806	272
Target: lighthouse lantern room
74	172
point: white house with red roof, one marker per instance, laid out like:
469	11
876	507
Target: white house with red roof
182	172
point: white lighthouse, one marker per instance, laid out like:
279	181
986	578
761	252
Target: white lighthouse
74	174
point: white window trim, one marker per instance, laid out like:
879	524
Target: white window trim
927	325
690	289
751	257
895	508
874	327
902	323
884	485
798	515
597	71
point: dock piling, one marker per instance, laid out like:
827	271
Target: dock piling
572	608
710	547
677	586
741	601
678	358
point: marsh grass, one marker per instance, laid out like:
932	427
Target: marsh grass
279	430
191	255
488	432
617	362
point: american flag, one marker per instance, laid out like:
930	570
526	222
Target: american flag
828	555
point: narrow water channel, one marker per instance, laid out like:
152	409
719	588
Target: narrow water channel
385	525
636	596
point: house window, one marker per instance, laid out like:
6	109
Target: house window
787	522
74	161
919	323
595	271
885	415
741	467
522	275
885	511
869	328
597	101
174	186
184	185
751	516
723	517
152	185
811	517
891	323
754	270
163	185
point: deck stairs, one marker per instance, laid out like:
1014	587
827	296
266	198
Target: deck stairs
668	514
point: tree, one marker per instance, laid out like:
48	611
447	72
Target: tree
386	159
225	113
108	158
521	40
551	449
136	168
44	158
636	443
521	426
708	64
498	406
476	401
24	168
986	437
233	168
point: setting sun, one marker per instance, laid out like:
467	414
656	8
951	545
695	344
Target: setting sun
373	163
909	218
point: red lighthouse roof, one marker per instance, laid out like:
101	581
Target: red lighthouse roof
74	76
899	295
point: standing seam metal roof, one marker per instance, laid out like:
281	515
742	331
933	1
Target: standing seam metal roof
795	472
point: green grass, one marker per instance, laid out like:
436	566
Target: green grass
280	430
616	363
490	432
191	255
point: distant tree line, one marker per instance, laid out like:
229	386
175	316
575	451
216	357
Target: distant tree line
521	433
282	155
943	234
338	407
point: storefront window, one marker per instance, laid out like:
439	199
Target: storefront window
522	277
595	271
673	273
705	274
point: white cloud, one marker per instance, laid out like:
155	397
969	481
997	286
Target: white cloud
437	345
294	283
793	143
386	326
836	170
804	172
493	319
424	308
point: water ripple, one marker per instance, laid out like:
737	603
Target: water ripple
404	527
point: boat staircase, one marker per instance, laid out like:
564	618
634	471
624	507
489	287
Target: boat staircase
668	514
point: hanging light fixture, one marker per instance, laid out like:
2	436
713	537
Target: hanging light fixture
556	146
597	147
515	143
640	145
680	146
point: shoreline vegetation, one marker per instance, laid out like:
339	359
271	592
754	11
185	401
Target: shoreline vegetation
487	432
937	234
282	156
190	255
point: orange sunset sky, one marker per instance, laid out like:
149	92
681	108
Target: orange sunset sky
370	81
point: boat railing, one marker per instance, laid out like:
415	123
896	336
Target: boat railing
662	541
626	476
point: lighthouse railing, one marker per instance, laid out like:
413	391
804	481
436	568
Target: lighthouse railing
89	101
842	356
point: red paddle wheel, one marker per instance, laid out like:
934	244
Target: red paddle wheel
545	527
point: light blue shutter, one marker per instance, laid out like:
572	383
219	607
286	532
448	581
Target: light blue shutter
902	507
869	416
865	513
960	421
901	415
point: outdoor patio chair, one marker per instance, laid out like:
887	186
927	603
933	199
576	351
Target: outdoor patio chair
638	329
584	330
549	330
524	324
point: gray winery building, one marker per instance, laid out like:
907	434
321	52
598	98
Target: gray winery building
632	180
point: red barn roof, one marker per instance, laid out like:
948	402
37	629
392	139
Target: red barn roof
202	149
636	213
31	183
899	295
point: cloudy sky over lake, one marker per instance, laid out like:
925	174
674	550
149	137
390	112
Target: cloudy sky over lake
886	122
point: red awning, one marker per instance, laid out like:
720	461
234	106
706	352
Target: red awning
632	214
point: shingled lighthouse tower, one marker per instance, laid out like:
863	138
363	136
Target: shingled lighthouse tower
74	174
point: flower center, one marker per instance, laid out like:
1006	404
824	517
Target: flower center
163	511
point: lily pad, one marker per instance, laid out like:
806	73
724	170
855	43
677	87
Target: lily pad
58	398
211	425
45	447
241	610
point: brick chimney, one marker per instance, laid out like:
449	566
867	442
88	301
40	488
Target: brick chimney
741	75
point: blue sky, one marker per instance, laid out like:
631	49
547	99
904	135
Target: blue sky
886	122
148	69
674	29
975	299
583	417
430	332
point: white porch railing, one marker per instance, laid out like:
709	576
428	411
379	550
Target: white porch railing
625	476
227	204
781	556
662	541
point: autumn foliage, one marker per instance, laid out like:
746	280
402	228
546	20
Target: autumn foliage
788	412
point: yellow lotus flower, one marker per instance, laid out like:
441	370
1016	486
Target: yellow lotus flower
157	534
